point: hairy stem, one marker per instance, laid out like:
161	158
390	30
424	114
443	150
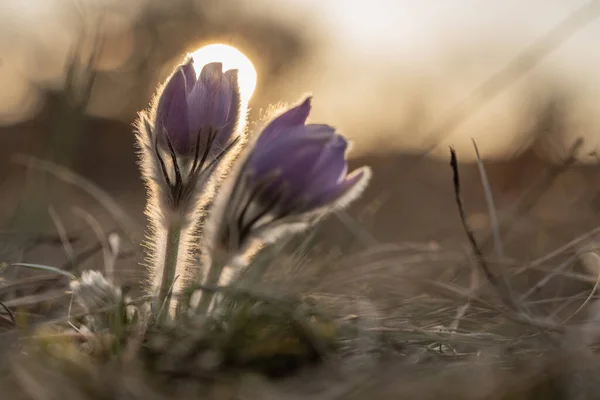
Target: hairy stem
215	270
170	266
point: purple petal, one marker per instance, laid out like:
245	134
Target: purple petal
220	106
282	153
331	167
293	117
190	75
199	108
211	73
334	193
210	100
297	164
295	136
267	155
282	150
327	132
231	114
293	167
171	112
232	76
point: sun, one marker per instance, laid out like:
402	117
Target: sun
231	58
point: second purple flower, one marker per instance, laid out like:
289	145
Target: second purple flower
294	173
301	167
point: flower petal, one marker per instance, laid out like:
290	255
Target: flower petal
221	106
295	166
231	110
171	112
346	191
331	167
291	158
327	132
267	156
204	95
293	117
231	77
190	75
211	74
285	143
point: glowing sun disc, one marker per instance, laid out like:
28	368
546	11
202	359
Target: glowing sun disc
231	58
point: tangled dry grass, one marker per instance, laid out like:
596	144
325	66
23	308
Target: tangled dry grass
390	321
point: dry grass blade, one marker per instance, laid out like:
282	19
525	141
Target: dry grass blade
62	234
489	198
364	236
591	295
46	268
9	312
102	240
556	271
471	236
521	315
32	300
462	310
125	222
17	284
561	250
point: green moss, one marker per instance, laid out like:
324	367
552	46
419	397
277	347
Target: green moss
275	339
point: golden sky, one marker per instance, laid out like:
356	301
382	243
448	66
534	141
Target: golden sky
383	71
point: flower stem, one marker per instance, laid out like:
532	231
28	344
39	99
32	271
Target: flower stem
217	265
169	267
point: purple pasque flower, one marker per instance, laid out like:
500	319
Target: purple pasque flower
294	171
190	129
303	166
196	117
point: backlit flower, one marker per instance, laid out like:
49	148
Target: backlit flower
295	172
198	115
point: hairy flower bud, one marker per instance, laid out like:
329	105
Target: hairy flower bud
191	126
188	131
294	173
298	166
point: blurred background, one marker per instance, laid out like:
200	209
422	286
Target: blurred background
392	75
